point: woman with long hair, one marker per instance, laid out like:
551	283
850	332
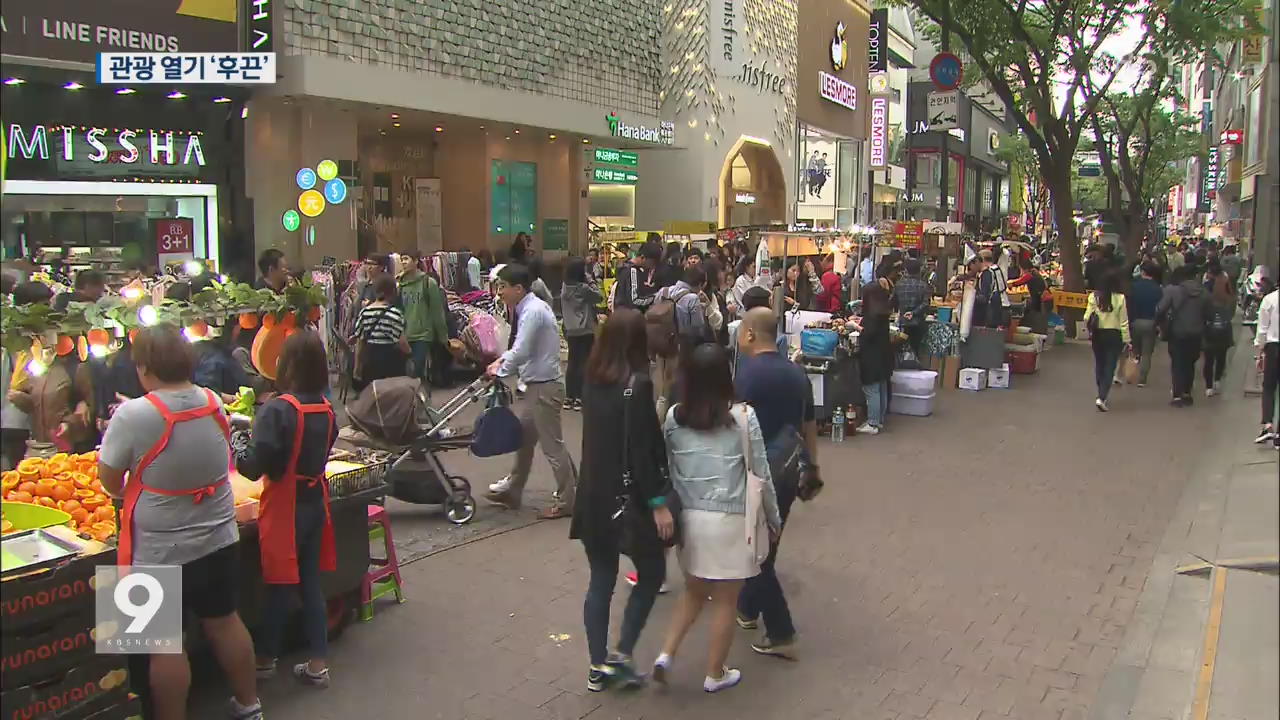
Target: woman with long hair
798	289
709	465
875	364
622	489
1219	332
379	336
289	447
578	301
744	280
718	308
1107	317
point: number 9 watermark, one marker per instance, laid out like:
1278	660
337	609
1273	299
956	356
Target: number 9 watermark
138	609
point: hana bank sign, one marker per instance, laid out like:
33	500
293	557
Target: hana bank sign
837	91
101	146
664	134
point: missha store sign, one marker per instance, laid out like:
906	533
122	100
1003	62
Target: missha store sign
86	151
663	134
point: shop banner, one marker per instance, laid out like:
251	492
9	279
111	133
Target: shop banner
908	234
1064	299
76	31
175	239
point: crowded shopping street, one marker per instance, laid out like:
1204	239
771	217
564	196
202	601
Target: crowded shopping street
658	360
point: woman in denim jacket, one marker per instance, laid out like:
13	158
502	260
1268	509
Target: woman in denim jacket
708	466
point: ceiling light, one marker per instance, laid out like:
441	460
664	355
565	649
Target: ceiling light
176	95
552	136
395	116
481	127
586	141
73	85
508	137
439	128
395	124
244	112
126	91
382	132
14	81
517	131
222	99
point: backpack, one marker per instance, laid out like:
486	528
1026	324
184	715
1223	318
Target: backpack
1219	323
660	324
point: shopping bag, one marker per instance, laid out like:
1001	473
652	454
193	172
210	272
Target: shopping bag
497	431
1129	369
757	523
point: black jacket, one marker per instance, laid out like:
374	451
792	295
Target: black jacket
600	478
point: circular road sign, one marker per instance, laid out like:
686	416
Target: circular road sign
946	71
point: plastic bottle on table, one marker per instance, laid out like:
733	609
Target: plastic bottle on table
837	425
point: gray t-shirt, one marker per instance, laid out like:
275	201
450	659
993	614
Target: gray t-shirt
172	529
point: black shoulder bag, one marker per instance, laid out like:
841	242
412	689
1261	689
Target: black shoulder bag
630	526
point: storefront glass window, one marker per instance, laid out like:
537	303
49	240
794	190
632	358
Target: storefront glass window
847	188
514	194
1256	126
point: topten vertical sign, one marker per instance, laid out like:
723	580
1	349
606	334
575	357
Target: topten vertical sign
877	42
879	131
261	38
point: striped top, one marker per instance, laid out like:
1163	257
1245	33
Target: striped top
380	324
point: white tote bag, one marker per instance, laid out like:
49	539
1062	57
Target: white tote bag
757	523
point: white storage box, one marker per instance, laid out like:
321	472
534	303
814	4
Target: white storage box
917	405
998	379
973	379
913	382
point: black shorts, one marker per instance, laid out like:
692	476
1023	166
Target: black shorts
211	584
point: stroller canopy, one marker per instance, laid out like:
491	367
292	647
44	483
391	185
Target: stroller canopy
387	410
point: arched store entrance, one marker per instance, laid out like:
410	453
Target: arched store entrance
753	189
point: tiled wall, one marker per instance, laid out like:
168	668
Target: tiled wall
602	52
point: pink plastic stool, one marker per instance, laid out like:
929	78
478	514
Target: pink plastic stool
383	577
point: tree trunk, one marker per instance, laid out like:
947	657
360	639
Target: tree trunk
1058	180
1135	228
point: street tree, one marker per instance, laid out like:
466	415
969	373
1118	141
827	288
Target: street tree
1140	139
1052	62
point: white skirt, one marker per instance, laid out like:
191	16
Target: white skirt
714	546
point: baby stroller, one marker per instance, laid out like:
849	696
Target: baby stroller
393	414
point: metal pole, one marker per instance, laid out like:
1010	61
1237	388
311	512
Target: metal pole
943	200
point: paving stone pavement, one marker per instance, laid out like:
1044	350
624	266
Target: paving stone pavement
980	563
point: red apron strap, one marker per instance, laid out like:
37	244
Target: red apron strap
278	511
133	486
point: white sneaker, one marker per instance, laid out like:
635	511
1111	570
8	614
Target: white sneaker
1100	404
730	677
1265	435
866	429
501	486
1210	392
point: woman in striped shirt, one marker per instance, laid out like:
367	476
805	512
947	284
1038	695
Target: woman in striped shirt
382	347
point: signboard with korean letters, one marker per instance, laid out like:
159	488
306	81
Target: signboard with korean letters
186	68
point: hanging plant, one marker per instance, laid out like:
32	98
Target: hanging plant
115	316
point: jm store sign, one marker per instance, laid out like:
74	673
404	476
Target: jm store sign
101	151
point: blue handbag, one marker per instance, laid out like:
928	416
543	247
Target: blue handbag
497	431
818	343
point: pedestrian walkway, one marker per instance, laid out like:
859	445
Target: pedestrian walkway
1229	513
982	563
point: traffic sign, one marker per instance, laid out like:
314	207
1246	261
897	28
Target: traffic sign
946	71
616	157
944	110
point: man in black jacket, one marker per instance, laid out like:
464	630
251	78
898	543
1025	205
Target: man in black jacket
633	286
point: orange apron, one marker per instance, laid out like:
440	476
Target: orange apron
135	485
277	519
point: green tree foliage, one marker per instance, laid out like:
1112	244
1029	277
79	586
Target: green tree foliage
1053	62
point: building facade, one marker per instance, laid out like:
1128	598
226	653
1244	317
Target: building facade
458	125
111	176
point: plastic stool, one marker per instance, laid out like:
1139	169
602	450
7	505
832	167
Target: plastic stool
383	577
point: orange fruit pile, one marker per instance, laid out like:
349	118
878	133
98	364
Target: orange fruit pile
68	483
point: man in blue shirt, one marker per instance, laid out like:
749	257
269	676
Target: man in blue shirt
779	392
534	357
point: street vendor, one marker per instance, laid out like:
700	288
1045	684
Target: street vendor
289	447
179	510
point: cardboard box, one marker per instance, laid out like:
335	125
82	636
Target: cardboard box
47	650
998	379
46	595
83	690
973	379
